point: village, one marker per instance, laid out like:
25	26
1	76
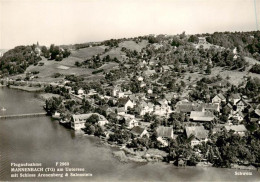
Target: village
141	118
156	111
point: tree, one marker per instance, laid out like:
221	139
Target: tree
98	131
66	53
45	52
54	51
193	38
93	119
177	42
255	69
89	129
208	70
77	64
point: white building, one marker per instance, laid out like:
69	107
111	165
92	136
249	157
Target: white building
131	122
198	133
238	129
219	98
78	121
81	91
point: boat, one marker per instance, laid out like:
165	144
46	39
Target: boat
3	109
56	115
63	121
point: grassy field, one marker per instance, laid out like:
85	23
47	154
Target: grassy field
87	53
70	61
132	45
50	67
115	52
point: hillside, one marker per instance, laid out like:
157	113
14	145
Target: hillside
190	59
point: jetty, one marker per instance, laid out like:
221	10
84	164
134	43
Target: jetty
23	115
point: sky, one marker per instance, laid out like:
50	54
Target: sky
24	22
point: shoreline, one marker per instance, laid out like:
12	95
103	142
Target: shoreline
27	88
123	154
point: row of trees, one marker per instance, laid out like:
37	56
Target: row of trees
55	52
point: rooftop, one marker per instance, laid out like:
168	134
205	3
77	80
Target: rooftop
83	117
201	116
198	131
236	128
221	96
164	131
137	130
235	96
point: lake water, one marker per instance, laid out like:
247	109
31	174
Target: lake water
42	140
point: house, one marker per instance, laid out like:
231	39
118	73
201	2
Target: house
144	108
149	91
92	92
117	92
120	94
134	99
234	98
121	111
210	107
78	121
201	116
202	40
165	68
228	108
141	96
164	134
253	116
169	96
218	98
238	129
142	64
234	51
217	129
257	113
126	103
81	91
69	89
131	122
127	93
139	131
140	78
198	133
108	110
162	108
187	107
237	115
241	104
142	84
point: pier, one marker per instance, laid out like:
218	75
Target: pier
23	115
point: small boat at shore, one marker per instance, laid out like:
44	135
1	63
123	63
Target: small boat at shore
3	109
64	121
